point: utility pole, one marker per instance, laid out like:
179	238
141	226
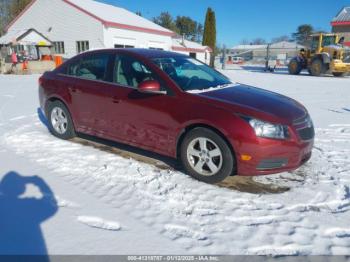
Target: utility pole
224	57
267	58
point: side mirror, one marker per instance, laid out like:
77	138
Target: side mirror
150	87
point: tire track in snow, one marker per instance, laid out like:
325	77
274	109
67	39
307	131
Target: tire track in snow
200	217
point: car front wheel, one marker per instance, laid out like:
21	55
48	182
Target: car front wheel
60	121
206	156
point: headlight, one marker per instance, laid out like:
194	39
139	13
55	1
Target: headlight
268	130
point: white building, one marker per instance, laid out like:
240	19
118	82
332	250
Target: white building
192	49
74	26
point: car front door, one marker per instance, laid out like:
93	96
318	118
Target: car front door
146	120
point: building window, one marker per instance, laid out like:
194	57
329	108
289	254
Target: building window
193	55
19	48
124	46
82	46
59	47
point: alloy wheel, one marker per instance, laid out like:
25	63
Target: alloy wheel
204	156
59	120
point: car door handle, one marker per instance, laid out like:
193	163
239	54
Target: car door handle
72	89
75	90
115	100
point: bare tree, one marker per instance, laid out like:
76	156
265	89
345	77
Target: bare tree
258	41
281	38
4	14
17	6
244	42
9	9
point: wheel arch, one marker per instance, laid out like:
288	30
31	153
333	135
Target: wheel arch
324	57
192	126
298	58
53	99
60	99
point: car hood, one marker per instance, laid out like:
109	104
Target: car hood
257	99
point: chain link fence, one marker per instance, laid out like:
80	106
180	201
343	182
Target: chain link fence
280	55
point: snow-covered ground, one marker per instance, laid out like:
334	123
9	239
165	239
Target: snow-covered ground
95	201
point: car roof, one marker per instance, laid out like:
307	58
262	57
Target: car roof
141	52
148	53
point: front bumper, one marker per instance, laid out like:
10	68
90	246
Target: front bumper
41	98
341	67
270	156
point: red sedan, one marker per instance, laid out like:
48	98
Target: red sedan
177	106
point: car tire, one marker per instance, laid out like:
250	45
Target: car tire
60	120
337	74
206	156
317	67
294	67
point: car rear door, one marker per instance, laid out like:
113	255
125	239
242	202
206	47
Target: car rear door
90	91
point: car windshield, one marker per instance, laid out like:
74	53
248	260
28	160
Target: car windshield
190	74
328	40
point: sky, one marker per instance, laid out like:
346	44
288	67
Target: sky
245	19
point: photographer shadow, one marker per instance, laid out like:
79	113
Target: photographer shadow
20	216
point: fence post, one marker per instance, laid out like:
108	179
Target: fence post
267	57
2	65
224	58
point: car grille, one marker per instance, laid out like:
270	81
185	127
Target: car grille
266	164
305	128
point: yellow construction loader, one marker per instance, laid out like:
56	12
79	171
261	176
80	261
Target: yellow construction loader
325	55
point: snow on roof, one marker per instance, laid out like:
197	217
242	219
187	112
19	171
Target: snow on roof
286	44
116	16
249	47
27	36
282	44
12	36
343	15
185	45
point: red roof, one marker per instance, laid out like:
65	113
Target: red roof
342	18
341	23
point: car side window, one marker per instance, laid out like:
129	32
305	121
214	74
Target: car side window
128	71
72	68
92	67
